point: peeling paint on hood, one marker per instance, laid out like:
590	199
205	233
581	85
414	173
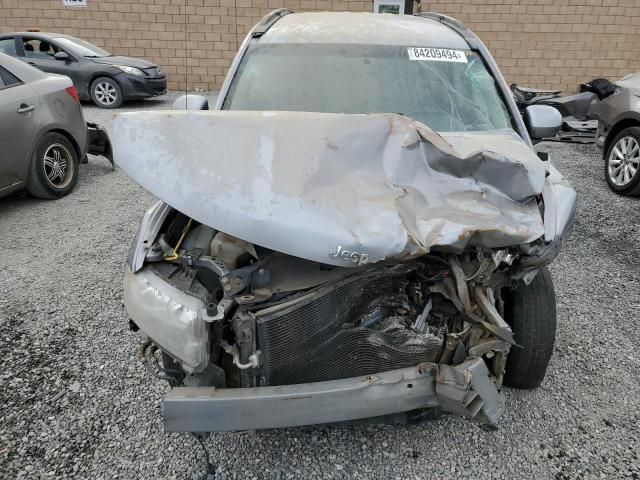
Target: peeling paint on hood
378	186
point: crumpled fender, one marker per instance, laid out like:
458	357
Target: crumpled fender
559	206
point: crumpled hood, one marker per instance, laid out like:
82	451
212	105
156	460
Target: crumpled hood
337	188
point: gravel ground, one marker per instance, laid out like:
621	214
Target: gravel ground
75	403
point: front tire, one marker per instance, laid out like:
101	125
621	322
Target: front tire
106	93
622	162
54	167
530	310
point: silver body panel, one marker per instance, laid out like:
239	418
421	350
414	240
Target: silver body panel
620	108
347	28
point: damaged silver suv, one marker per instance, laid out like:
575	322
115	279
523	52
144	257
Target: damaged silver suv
360	229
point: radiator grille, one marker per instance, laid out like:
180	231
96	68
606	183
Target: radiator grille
314	339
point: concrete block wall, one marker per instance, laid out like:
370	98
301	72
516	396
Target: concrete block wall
543	43
555	43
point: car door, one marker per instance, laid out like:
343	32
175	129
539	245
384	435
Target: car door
18	120
40	52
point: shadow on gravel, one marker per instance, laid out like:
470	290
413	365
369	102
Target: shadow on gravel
18	201
132	104
90	173
97	167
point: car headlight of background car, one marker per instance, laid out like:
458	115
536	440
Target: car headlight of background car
130	70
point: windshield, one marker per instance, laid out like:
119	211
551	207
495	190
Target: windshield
81	48
448	90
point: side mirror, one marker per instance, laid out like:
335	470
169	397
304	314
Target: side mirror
190	102
63	56
542	121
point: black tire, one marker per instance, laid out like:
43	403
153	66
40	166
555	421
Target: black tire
106	93
530	310
53	172
632	186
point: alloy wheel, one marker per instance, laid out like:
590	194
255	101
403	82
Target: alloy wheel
106	93
624	161
58	165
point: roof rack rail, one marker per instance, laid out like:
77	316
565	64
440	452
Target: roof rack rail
442	18
456	25
268	20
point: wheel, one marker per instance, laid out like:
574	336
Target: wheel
106	93
530	310
54	167
622	162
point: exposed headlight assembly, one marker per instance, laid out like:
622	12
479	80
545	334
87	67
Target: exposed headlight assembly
169	317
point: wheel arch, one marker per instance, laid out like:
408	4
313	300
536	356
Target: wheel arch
69	137
97	75
630	121
34	144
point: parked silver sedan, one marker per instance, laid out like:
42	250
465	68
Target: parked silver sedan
43	133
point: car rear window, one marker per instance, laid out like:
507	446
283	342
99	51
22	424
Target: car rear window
8	46
448	90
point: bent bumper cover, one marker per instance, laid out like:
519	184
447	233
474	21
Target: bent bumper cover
465	389
98	142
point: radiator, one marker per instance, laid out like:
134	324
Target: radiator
313	338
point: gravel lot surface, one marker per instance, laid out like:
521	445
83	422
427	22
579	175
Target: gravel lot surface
75	402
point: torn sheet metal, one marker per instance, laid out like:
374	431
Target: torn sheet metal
560	206
336	188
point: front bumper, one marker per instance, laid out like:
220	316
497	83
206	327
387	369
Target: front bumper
135	86
465	389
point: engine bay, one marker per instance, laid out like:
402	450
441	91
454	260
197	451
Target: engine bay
274	319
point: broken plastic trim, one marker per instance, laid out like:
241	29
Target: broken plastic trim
99	143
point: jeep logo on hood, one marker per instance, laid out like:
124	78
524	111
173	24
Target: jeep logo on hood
349	255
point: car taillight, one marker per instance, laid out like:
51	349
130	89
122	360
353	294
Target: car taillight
73	92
